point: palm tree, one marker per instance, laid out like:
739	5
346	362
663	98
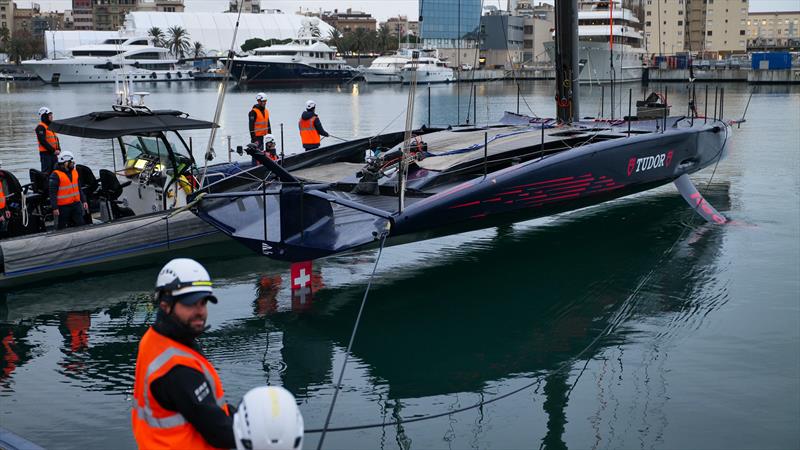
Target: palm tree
384	40
335	39
178	41
361	41
198	49
157	35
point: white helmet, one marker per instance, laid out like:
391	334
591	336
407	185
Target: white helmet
310	105
185	280
65	156
261	96
269	138
268	419
44	110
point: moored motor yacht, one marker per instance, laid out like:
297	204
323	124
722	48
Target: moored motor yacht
387	68
133	58
429	69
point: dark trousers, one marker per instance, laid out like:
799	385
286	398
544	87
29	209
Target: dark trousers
70	215
48	161
310	146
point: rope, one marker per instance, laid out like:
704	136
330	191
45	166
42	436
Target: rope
350	344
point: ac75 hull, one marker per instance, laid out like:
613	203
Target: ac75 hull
308	223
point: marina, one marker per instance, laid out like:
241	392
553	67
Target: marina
574	262
681	331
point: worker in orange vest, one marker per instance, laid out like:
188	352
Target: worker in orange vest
178	399
5	213
258	120
311	127
66	197
49	147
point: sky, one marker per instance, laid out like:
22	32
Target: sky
381	9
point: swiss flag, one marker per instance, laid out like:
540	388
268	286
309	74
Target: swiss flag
301	275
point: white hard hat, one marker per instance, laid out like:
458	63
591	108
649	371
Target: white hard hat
269	138
185	280
261	96
44	110
310	105
65	156
268	419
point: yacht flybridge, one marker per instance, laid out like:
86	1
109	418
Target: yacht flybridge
132	58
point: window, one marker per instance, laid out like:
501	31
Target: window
741	33
647	24
709	33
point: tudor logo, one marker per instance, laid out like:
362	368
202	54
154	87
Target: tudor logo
649	162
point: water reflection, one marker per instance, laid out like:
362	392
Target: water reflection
517	303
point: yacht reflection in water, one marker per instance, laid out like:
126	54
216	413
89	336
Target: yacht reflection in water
522	305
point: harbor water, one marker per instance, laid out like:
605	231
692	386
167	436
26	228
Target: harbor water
631	324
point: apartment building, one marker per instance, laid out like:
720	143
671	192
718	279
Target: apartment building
714	27
538	24
349	20
160	5
82	16
401	26
7	15
773	30
248	6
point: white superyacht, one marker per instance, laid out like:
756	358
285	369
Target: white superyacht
133	58
595	45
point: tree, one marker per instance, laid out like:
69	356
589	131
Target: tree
198	50
384	40
361	41
178	41
157	35
335	39
5	36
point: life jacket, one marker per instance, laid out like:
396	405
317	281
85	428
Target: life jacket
157	428
51	137
261	125
68	190
309	134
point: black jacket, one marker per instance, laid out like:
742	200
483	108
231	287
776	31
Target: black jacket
54	182
251	122
176	390
317	123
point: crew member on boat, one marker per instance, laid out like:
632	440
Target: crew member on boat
66	197
311	127
270	148
49	147
258	120
5	213
177	394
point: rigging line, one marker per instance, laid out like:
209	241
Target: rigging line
514	70
352	338
223	87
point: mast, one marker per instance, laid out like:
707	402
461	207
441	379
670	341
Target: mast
567	105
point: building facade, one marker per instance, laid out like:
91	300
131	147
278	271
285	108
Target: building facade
248	6
82	17
501	40
349	20
450	23
773	30
7	15
708	27
23	18
538	24
160	5
401	26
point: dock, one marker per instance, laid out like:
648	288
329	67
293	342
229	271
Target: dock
725	75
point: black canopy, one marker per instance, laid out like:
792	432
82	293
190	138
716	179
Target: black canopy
112	124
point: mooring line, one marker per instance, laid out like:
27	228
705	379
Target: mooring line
350	344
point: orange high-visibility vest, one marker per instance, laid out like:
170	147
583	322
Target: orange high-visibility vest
68	190
309	134
2	197
52	138
261	125
157	428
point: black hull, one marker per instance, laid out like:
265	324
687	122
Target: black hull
334	221
247	72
